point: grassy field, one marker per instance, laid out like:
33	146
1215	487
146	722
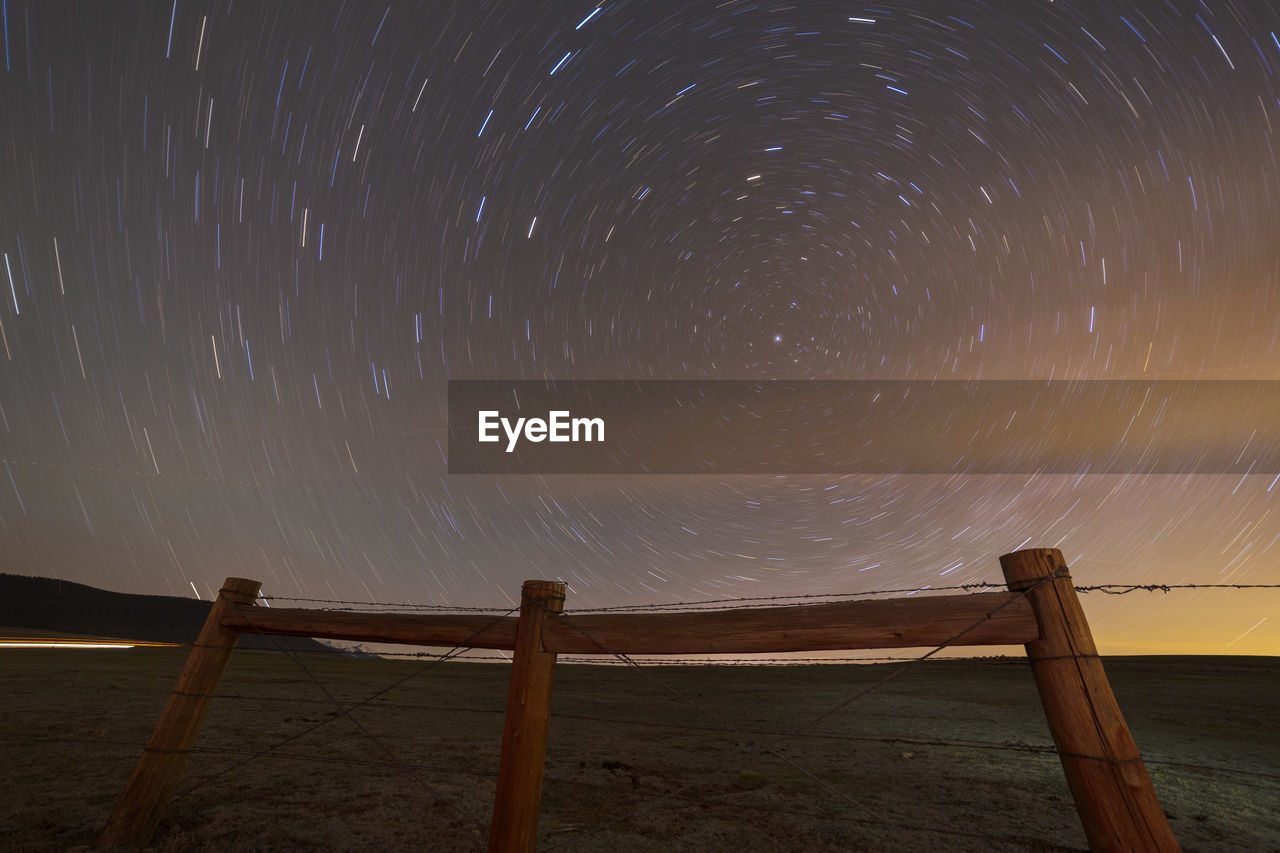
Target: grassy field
659	759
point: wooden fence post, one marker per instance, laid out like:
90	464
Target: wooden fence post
140	807
524	735
1113	793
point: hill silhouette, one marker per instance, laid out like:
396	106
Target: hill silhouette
50	604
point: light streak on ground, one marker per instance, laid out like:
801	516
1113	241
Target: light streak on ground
65	643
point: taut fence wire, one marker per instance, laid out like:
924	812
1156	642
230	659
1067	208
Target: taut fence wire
774	749
747	602
343	711
643	664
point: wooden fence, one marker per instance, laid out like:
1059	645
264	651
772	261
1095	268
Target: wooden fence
1104	770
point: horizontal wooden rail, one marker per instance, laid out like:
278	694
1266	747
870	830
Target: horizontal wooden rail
415	629
885	624
1112	790
980	619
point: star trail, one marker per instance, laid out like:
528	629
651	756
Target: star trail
246	245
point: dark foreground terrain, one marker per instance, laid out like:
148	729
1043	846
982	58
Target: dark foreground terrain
659	759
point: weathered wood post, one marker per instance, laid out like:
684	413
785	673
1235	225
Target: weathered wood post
1113	793
524	735
140	807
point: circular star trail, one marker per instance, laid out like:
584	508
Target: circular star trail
246	245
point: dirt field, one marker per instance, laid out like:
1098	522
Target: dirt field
659	759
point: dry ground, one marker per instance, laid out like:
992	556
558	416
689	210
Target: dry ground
660	759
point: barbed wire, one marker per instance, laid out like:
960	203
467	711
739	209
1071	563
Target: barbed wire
357	653
640	664
1122	588
702	709
344	712
1021	594
725	603
774	750
405	606
764	600
752	602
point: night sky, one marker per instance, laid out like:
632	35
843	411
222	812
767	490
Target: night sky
247	244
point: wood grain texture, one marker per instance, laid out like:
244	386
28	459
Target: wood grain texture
524	735
1113	793
418	629
142	804
994	618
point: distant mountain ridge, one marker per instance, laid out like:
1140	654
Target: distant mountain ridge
50	604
